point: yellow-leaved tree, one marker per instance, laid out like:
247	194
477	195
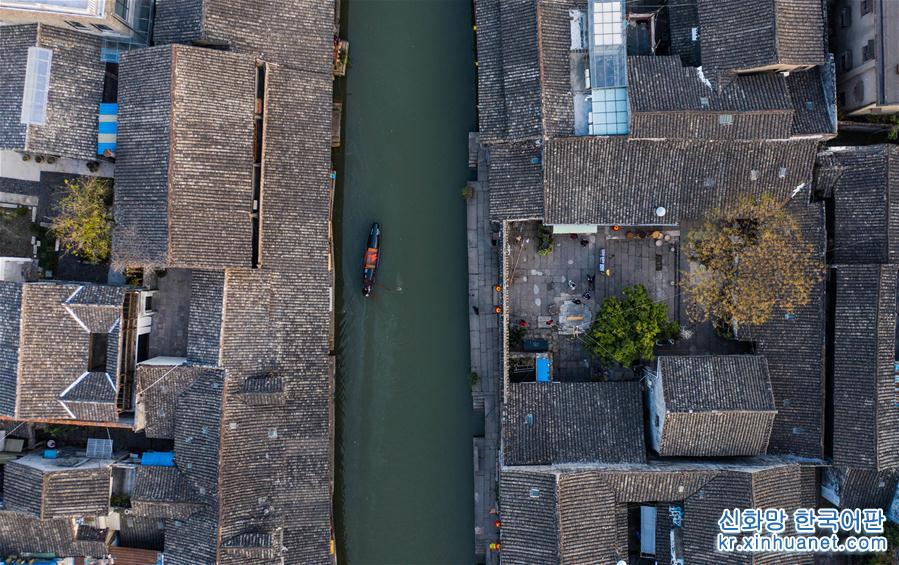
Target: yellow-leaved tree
83	222
746	261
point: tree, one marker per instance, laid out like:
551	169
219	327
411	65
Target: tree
747	261
625	331
83	224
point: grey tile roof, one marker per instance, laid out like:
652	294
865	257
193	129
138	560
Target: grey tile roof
859	488
669	100
813	93
508	70
256	28
528	509
682	18
21	533
158	389
56	494
580	516
546	423
716	405
864	184
164	493
554	26
10	321
737	35
142	533
516	180
866	416
709	383
76	89
198	413
181	199
204	327
794	348
57	321
594	180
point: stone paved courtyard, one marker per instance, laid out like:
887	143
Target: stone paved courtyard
540	285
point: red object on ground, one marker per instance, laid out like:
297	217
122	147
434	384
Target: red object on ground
522	323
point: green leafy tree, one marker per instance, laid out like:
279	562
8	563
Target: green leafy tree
625	330
83	223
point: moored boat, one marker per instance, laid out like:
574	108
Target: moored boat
371	258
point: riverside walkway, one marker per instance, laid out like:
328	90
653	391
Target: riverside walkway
486	346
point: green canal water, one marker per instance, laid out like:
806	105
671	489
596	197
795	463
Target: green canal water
404	425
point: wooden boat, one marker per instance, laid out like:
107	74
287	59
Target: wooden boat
370	259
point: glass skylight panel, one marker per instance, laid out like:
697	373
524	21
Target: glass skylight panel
37	86
608	68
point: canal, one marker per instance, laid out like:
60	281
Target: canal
403	489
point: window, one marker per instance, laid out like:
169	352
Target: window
76	25
846	60
102	27
868	50
37	86
704	102
859	91
845	17
726	119
121	9
96	353
867	6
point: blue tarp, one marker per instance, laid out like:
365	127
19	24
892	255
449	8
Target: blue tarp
543	370
158	459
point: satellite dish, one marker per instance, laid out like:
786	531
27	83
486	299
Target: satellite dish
660	212
622	562
51	443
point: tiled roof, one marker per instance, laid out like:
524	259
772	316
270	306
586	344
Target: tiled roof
181	199
866	416
864	183
580	516
255	28
524	68
557	103
859	488
508	70
793	344
10	321
709	383
669	100
21	533
158	388
813	93
716	405
595	180
140	532
57	322
546	423
737	35
516	180
164	493
204	329
58	493
76	89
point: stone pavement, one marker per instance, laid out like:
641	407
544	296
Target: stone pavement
540	284
486	343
